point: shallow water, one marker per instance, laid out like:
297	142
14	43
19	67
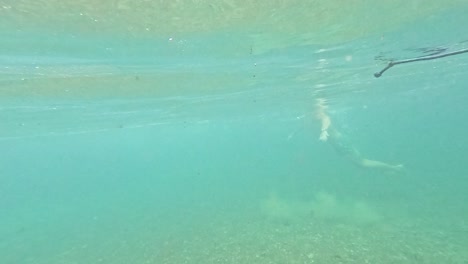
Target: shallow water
148	132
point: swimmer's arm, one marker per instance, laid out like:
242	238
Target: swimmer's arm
324	118
325	125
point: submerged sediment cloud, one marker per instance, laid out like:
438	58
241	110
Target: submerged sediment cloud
324	206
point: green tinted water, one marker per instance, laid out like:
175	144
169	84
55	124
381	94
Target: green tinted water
185	132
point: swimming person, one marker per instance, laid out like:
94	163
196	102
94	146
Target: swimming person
342	146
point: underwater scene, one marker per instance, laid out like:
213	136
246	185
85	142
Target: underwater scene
233	131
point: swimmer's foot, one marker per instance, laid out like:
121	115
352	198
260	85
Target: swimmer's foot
398	169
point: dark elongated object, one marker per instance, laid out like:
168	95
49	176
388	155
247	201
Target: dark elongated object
432	57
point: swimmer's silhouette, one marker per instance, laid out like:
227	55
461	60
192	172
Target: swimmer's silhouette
342	146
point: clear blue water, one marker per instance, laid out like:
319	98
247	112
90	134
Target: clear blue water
124	141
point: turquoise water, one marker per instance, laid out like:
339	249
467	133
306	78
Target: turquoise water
148	132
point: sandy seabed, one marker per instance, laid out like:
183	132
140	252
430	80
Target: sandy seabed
260	240
249	237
